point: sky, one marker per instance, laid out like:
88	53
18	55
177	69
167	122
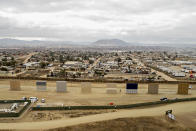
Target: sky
147	21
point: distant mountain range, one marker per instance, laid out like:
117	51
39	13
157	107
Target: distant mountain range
4	43
111	42
15	43
37	43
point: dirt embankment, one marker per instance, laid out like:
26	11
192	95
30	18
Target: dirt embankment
129	124
36	116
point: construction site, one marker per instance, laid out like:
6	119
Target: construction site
76	94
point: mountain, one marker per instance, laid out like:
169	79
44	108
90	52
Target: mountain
110	42
15	43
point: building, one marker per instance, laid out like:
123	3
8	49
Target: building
179	74
71	64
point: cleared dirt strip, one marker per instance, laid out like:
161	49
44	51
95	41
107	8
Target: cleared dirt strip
178	108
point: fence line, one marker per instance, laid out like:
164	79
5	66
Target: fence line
95	80
113	106
12	114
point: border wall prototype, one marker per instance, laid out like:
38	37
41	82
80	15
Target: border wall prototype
41	85
15	85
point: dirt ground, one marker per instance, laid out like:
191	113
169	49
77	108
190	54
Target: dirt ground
130	124
68	120
179	110
97	97
36	116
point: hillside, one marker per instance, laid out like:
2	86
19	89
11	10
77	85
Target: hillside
15	43
129	124
110	42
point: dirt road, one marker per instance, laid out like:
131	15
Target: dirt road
94	64
28	57
163	75
178	108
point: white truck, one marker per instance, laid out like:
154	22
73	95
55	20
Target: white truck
33	99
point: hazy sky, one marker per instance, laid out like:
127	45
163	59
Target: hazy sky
149	21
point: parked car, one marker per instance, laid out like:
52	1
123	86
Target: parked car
33	99
24	98
43	100
164	99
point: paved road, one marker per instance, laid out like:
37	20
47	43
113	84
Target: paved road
178	108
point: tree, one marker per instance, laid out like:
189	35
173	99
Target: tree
78	59
61	59
91	61
43	64
128	58
13	63
4	59
51	53
118	59
12	59
52	59
116	54
63	73
3	69
86	57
